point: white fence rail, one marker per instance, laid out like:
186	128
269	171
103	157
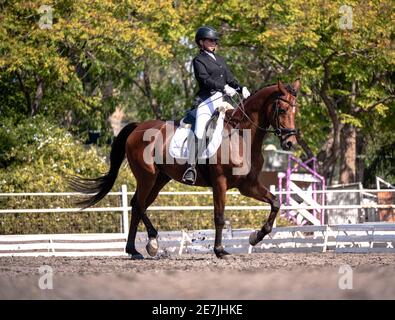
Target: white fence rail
358	238
124	208
378	237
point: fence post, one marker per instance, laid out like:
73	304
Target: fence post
125	210
273	191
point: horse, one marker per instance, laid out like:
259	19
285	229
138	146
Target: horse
271	106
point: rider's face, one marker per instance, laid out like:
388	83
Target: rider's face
209	44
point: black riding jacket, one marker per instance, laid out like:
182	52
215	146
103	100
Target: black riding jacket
212	75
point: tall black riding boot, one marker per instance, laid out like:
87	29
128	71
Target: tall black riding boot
191	174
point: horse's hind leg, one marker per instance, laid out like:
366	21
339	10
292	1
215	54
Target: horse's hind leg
141	200
152	245
259	192
136	217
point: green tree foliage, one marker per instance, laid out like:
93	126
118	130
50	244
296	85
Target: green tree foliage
70	70
136	55
344	55
36	156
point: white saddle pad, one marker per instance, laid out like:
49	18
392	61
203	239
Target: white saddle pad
178	148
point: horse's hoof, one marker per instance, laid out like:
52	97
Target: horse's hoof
136	256
222	254
152	247
254	238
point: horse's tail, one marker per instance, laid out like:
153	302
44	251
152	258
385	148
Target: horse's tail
102	185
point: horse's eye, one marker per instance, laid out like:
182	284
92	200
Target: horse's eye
281	111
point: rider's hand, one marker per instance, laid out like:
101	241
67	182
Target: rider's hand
245	93
229	90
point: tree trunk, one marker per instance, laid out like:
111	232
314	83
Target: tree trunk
25	91
305	147
148	90
360	161
38	96
348	148
108	90
185	81
329	154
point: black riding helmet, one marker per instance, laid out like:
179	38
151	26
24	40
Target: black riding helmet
206	32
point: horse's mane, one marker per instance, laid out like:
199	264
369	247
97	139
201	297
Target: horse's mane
289	87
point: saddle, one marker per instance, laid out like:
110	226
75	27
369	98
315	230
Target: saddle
189	121
179	148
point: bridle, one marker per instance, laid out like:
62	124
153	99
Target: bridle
282	133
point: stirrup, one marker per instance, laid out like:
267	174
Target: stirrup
186	177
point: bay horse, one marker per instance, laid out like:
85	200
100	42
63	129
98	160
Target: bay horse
271	106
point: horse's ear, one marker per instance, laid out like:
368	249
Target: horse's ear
281	87
296	84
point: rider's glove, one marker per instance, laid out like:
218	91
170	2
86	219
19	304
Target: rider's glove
229	90
245	93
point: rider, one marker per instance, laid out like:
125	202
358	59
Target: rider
214	79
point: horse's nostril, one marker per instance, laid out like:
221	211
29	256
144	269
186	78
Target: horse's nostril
286	145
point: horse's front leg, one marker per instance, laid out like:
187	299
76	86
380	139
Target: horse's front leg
219	193
258	191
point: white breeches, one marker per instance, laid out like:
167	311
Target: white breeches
206	109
